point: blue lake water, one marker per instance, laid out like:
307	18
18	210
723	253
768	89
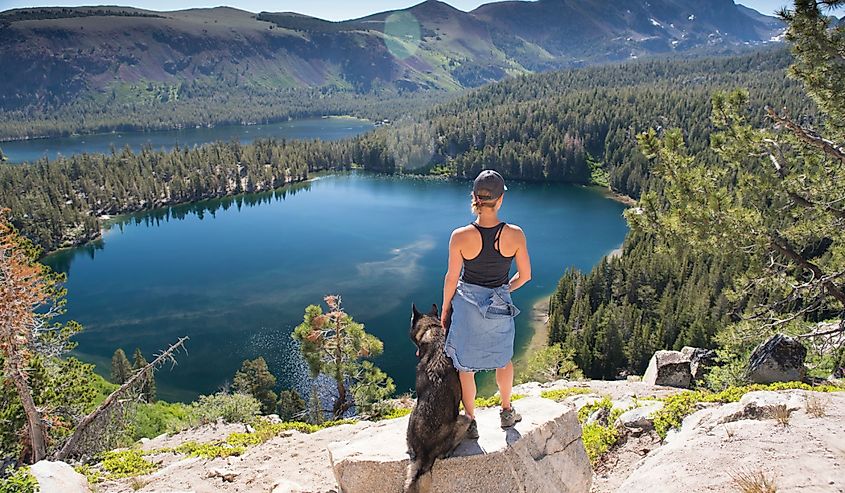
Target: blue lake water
324	128
236	274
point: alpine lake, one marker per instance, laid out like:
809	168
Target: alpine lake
235	274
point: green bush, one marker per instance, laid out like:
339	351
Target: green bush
126	463
394	413
231	408
561	394
209	450
494	400
151	420
264	430
549	364
21	481
586	411
598	439
677	407
93	476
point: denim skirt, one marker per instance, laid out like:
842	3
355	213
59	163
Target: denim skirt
482	330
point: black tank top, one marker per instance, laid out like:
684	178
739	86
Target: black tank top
489	268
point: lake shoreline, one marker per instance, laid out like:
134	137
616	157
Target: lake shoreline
539	315
108	220
174	128
619	197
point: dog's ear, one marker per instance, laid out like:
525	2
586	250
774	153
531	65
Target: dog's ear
416	313
433	311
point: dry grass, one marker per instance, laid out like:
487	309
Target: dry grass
781	414
137	483
753	482
729	432
816	407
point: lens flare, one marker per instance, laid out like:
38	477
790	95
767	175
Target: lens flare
402	34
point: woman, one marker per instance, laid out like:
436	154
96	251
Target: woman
477	306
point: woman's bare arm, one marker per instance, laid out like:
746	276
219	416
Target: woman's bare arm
523	262
453	274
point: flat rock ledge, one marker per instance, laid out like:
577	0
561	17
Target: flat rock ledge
543	453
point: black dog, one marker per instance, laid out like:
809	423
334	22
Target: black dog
435	427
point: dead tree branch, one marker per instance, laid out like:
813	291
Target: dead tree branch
69	447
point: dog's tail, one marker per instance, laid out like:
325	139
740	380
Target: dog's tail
418	479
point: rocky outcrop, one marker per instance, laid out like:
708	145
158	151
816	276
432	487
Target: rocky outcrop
668	368
543	453
641	417
717	445
700	361
779	359
58	477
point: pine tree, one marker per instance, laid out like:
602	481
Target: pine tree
121	369
254	378
775	194
30	299
291	405
334	345
148	389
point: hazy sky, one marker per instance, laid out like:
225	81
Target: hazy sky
325	9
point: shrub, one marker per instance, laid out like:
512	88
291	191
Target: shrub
231	408
93	476
589	409
210	450
494	400
561	394
781	414
151	420
394	413
677	407
264	430
598	440
550	363
20	481
816	407
753	482
126	463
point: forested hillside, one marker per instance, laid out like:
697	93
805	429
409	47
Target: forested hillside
574	125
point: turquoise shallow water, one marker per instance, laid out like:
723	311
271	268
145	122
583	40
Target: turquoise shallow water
311	128
235	274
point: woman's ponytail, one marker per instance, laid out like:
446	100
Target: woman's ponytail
476	204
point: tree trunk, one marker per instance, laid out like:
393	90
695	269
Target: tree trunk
37	431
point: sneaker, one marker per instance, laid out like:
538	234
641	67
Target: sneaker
472	431
509	417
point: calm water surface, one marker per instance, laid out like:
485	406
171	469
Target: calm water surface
323	128
236	274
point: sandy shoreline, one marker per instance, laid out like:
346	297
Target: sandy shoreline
539	313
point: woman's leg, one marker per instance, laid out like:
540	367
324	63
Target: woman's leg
468	392
504	379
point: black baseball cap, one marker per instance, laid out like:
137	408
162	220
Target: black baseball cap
489	185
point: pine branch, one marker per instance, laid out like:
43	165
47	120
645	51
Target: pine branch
809	136
782	246
69	447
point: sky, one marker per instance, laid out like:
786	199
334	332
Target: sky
325	9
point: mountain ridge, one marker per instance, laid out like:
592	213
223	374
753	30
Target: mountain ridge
110	56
